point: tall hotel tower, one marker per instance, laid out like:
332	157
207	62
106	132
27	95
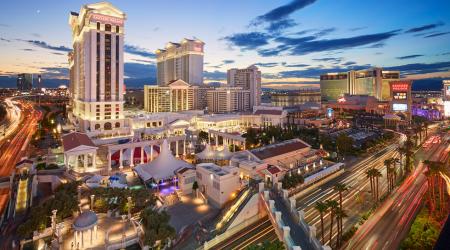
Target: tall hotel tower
249	79
96	69
182	60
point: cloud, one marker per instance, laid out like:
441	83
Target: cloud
4	25
44	45
421	68
215	75
5	40
247	41
408	57
55	72
349	63
28	49
135	50
334	60
309	44
298	65
36	35
358	28
437	34
139	70
424	27
227	61
324	32
266	65
143	60
58	53
283	11
280	25
376	45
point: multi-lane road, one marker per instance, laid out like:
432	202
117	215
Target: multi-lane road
390	223
355	200
14	147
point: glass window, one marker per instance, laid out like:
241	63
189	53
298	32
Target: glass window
107	27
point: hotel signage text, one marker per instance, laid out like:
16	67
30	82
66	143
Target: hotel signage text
107	19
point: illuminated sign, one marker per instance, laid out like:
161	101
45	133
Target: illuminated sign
399	96
107	19
341	99
447	108
447	90
198	47
330	112
399	107
400	86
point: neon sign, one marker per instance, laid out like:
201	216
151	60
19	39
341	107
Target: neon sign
400	86
106	19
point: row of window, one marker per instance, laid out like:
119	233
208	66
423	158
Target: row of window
108	27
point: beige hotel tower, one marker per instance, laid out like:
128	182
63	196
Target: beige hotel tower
96	69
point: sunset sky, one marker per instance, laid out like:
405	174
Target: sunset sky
292	42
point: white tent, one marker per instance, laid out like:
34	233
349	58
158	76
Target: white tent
209	154
94	181
163	167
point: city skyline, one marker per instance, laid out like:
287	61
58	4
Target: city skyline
290	41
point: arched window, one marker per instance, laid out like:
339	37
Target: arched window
107	126
97	126
117	124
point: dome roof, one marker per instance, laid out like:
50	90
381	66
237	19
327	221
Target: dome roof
85	220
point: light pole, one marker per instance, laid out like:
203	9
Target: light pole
123	231
92	202
129	207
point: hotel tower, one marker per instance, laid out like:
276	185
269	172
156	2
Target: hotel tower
96	70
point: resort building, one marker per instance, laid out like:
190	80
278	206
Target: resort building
248	79
228	100
218	184
182	61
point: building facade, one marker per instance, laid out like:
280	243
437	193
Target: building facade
248	79
25	82
401	99
175	97
333	86
182	60
295	98
96	69
372	82
227	100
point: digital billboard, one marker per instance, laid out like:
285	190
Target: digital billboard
447	90
447	108
399	106
399	95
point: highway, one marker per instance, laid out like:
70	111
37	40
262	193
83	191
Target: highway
256	233
390	223
356	200
15	147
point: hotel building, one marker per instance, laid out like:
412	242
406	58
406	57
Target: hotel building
227	100
248	79
182	60
373	82
175	97
25	82
295	98
96	69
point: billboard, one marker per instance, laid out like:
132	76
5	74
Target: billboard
399	106
399	95
447	108
447	90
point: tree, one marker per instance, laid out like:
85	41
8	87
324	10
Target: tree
321	208
340	214
409	145
340	188
156	227
292	179
203	136
195	188
267	245
344	144
377	174
390	172
369	174
333	206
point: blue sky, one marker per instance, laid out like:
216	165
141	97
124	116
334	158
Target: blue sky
291	41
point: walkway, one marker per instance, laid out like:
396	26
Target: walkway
299	236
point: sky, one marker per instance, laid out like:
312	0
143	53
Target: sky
291	41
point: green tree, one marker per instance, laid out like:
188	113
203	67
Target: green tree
267	245
340	188
195	188
333	206
322	208
344	144
156	227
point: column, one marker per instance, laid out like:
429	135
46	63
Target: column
75	239
132	158
66	161
217	140
94	157
176	148
142	154
82	239
120	159
184	147
85	161
151	152
109	161
91	235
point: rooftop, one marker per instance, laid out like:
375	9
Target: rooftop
279	148
76	139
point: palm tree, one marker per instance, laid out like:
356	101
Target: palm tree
409	144
369	174
332	205
340	214
340	188
401	151
376	174
322	208
435	170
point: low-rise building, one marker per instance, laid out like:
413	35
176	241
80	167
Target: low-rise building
219	184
